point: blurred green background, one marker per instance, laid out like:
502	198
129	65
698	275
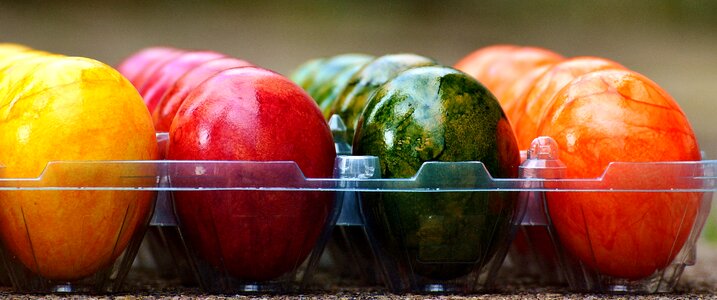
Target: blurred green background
672	42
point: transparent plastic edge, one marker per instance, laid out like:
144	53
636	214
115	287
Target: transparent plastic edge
683	176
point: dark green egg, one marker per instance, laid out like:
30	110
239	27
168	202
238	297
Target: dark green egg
427	114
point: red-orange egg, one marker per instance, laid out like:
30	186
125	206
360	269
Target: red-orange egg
529	109
498	66
621	116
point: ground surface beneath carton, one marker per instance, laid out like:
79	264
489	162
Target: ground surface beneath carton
697	282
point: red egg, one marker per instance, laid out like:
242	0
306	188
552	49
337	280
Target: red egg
166	75
140	65
169	104
252	114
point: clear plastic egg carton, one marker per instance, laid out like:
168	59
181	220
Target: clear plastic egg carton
263	226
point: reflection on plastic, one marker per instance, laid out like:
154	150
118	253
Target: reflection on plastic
354	167
535	251
541	163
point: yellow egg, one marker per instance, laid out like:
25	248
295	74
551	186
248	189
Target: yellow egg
57	108
7	49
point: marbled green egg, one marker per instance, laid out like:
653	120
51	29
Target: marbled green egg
438	113
352	100
332	76
303	75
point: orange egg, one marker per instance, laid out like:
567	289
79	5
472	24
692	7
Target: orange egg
519	89
621	116
498	66
527	110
